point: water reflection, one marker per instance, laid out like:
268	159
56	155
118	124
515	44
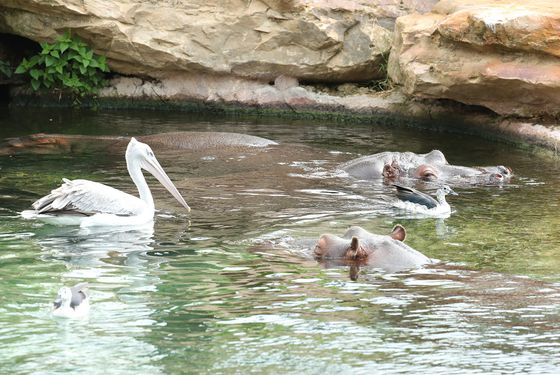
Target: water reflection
90	248
121	277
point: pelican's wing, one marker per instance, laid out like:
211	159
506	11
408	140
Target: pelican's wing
83	197
412	195
78	294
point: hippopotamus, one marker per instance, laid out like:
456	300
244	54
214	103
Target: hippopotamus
187	140
358	247
431	166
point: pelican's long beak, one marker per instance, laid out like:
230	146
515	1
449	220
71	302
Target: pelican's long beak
153	166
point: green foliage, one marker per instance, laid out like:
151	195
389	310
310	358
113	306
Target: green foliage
384	83
67	63
6	69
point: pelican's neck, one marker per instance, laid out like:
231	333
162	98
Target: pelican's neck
440	195
137	176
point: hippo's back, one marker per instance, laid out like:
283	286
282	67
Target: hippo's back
206	140
393	256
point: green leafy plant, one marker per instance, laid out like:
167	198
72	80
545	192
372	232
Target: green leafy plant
6	68
384	83
68	63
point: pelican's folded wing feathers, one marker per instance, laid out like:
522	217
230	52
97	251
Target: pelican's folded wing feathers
412	195
83	197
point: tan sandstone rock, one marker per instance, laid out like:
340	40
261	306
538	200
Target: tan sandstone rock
503	55
311	40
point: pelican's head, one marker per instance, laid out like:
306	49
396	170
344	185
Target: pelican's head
445	190
138	153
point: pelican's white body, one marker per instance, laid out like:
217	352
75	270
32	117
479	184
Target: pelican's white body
66	311
442	210
87	203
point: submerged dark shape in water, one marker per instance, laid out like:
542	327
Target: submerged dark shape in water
188	140
358	247
432	166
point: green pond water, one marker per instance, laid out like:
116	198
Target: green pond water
199	293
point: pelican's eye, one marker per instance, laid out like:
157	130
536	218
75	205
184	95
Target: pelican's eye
150	153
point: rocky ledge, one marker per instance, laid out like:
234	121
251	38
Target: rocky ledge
490	65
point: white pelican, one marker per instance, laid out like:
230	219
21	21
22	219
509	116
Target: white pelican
71	302
87	203
419	202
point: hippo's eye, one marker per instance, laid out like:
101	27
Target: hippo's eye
504	170
429	176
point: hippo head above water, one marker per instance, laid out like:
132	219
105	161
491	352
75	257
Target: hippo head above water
360	247
453	173
432	166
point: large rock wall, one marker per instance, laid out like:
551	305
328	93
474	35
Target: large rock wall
503	55
500	54
312	40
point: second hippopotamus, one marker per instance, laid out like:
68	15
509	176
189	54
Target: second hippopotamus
184	140
432	166
359	247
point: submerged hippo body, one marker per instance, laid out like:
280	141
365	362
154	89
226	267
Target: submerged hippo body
360	247
49	143
206	140
431	166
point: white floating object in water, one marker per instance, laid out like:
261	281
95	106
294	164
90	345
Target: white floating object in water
71	302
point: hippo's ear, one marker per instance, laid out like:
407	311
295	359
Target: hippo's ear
398	233
355	244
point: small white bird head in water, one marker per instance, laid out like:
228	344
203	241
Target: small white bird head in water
64	296
443	191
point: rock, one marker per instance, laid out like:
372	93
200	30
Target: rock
283	82
503	55
228	90
311	40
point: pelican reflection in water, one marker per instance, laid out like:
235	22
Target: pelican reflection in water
87	203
